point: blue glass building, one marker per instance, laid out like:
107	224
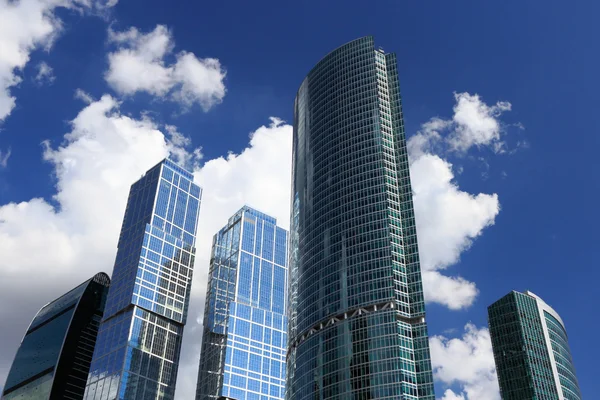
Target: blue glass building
357	313
137	353
54	357
245	328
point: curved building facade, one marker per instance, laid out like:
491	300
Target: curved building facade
357	316
531	350
54	357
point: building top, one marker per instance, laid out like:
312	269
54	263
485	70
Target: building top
259	214
544	306
171	164
252	211
52	308
351	43
174	166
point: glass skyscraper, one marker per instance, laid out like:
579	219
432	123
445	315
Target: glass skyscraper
137	353
531	350
245	327
54	357
357	315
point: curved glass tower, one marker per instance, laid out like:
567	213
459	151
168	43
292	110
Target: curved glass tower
357	316
54	357
531	350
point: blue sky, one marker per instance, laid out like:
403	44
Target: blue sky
539	57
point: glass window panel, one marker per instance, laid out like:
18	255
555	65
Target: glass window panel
167	173
195	191
240	358
255	363
162	200
180	208
266	276
184	184
191	215
39	350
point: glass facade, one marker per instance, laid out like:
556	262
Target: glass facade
531	350
357	314
54	357
245	327
137	354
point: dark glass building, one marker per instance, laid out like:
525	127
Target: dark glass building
54	357
531	350
357	316
137	354
245	327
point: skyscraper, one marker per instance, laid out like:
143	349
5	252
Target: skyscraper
137	354
245	327
54	357
531	350
357	315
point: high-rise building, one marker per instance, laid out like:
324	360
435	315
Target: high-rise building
357	315
531	350
53	360
245	326
137	354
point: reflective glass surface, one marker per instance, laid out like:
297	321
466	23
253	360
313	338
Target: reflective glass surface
39	351
63	331
245	327
561	352
137	354
531	351
357	315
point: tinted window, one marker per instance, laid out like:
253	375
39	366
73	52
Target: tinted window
39	351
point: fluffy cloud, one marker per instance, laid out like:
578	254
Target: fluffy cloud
467	362
450	395
449	219
25	26
474	123
452	291
45	74
139	64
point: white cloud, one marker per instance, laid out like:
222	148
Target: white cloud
453	292
450	395
428	137
467	362
4	156
449	219
83	96
45	73
139	64
474	123
25	26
